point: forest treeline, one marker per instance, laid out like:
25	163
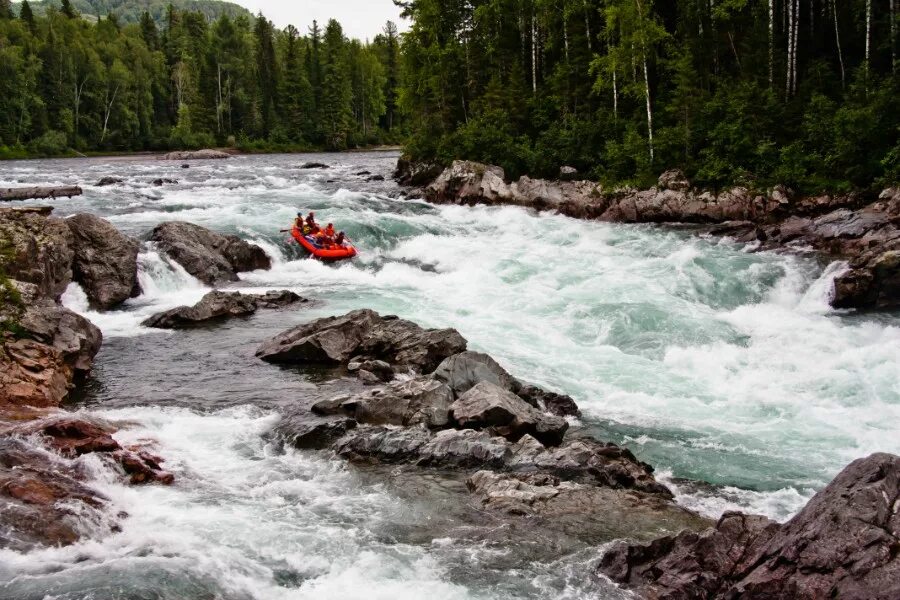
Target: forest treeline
802	92
71	83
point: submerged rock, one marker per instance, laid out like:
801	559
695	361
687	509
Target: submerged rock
314	165
220	305
210	257
105	261
843	544
41	498
105	181
363	334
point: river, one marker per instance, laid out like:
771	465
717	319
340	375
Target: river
709	361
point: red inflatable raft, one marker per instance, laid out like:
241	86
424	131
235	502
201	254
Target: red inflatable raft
321	252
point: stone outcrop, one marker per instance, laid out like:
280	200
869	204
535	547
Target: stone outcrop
40	366
580	507
363	335
220	305
490	407
210	257
105	261
419	401
37	249
464	411
843	544
45	350
416	174
838	226
463	371
195	155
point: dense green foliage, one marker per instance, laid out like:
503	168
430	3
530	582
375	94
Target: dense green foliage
803	92
69	83
130	11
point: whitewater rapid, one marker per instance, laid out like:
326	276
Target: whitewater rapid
711	362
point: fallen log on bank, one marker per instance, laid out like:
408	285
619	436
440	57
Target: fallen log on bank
39	193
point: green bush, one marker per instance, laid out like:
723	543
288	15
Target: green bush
51	143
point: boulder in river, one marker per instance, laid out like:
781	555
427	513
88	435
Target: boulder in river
314	165
54	346
37	249
365	335
489	406
843	544
449	448
465	370
195	155
210	257
220	305
416	173
105	261
418	401
105	181
577	505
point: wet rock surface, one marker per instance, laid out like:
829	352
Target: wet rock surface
37	249
219	305
843	544
45	352
365	335
488	406
105	261
210	257
468	412
838	226
39	366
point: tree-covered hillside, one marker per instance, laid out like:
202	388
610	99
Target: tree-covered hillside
802	92
71	83
130	11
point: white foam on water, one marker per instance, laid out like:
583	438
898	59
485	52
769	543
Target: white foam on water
239	514
164	285
709	360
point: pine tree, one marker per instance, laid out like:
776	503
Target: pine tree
6	11
337	92
266	70
26	14
149	32
67	9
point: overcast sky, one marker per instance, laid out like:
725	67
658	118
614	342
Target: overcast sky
361	19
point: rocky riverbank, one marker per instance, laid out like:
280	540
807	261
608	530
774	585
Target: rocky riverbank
439	406
47	351
852	227
391	397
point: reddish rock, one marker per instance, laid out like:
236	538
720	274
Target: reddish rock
843	544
